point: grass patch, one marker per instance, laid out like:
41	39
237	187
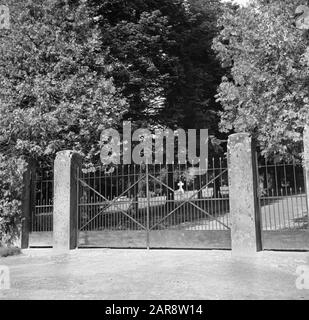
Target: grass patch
9	251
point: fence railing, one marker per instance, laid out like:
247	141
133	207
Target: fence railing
282	195
177	197
154	197
42	201
122	189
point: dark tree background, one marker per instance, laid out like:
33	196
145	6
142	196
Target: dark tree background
70	69
162	58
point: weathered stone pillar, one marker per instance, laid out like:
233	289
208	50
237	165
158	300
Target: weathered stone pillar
306	160
65	200
245	217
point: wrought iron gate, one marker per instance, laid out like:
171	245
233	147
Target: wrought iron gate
41	219
154	206
283	205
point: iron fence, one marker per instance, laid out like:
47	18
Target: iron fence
154	197
282	194
42	201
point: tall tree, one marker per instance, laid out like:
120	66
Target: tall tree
55	89
266	92
165	66
194	92
55	93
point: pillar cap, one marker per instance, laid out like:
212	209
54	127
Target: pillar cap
240	137
69	154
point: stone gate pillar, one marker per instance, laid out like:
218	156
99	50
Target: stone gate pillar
306	160
245	216
65	200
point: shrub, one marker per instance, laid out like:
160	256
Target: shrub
11	183
9	251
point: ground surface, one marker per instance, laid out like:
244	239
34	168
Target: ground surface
5	252
154	274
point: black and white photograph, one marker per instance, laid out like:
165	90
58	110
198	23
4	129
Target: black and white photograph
154	154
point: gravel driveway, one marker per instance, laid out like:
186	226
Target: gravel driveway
154	274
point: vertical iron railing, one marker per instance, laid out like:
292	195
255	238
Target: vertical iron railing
154	197
282	194
42	201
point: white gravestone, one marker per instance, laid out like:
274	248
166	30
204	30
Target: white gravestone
179	194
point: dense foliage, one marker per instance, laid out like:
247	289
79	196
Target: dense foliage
266	92
69	69
55	91
163	59
11	185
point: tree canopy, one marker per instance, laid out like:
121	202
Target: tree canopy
163	59
266	91
72	68
69	69
55	91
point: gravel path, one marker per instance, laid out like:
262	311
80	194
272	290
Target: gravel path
154	274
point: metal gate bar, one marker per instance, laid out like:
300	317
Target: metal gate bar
120	206
283	204
41	219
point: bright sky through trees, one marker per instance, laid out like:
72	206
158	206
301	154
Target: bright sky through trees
242	2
